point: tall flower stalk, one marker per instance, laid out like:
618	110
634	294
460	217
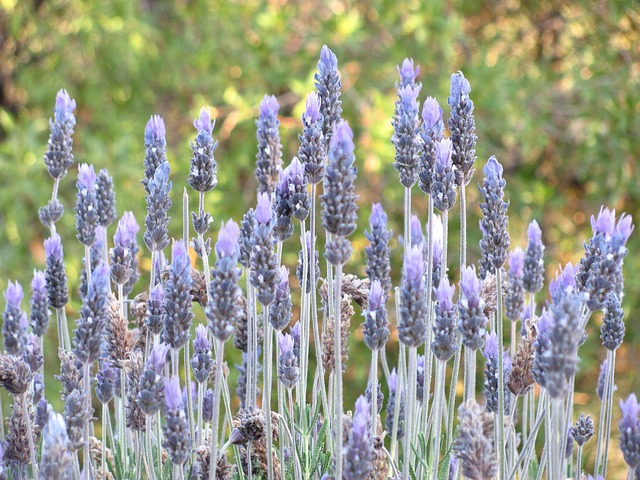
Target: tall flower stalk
339	219
494	245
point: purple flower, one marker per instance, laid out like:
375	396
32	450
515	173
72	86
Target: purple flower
286	343
203	123
378	218
470	283
264	213
565	280
630	412
65	106
172	393
158	357
493	170
443	153
376	295
227	244
155	130
605	222
312	108
393	381
268	106
624	227
516	262
342	140
431	114
359	449
179	256
295	333
444	294
38	282
328	59
407	72
491	346
86	176
460	87
126	231
534	234
13	294
414	265
201	343
53	247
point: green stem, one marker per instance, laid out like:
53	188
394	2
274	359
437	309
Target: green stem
437	418
500	414
337	348
86	457
410	409
213	455
452	397
32	448
373	382
266	396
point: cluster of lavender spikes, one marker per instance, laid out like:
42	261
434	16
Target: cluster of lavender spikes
157	422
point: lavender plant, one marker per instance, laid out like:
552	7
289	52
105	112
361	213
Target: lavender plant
153	428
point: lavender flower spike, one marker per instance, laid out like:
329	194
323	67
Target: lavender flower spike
154	320
177	298
613	328
378	251
177	439
39	305
445	335
223	309
339	207
203	176
474	445
515	298
56	452
156	236
412	326
443	188
59	156
312	149
269	156
327	81
86	209
491	392
376	325
462	126
359	450
406	138
156	148
201	361
264	268
432	132
407	72
495	238
472	317
280	311
533	277
288	371
395	394
14	326
92	324
630	431
55	273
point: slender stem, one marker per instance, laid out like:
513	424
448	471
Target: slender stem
294	451
527	449
463	226
611	367
579	462
514	338
103	437
105	248
410	409
86	458
281	407
428	353
437	419
301	391
32	448
266	396
87	264
200	422
452	396
148	451
373	382
205	258
216	409
337	349
187	376
400	384
500	414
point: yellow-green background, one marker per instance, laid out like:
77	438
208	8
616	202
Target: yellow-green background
555	86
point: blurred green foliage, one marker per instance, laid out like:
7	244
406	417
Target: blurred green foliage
555	85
